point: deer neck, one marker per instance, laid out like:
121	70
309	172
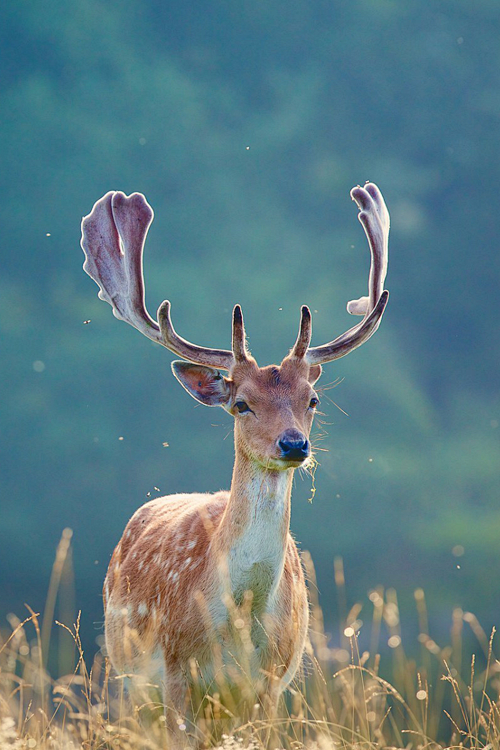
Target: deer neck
253	533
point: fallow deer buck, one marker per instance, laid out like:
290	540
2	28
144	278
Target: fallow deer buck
187	562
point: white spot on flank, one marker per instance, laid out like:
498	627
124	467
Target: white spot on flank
142	609
140	565
188	560
128	534
191	544
175	576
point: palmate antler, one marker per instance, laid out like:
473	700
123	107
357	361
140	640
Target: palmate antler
374	217
113	237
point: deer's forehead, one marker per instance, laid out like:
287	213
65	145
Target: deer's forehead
272	383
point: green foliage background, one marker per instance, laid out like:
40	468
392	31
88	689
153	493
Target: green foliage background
164	98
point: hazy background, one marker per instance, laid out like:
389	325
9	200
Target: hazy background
246	124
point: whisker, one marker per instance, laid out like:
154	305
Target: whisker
329	386
335	404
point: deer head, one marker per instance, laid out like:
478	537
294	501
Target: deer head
273	406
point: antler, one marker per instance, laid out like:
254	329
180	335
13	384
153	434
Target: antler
113	237
374	217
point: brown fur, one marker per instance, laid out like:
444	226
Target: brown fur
173	564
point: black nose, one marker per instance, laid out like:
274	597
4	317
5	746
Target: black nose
294	445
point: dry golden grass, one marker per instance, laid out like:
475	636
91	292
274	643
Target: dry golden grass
340	701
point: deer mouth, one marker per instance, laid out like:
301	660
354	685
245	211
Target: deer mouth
285	462
295	462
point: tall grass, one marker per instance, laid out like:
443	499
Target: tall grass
345	697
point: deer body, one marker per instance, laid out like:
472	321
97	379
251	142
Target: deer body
207	583
162	598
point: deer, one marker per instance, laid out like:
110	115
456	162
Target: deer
186	563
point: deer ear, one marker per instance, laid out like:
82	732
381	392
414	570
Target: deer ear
204	384
314	373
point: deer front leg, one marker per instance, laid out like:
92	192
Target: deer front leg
174	701
269	701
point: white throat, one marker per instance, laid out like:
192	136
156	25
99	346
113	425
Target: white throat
256	551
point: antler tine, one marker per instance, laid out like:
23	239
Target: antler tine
374	217
113	237
240	352
304	336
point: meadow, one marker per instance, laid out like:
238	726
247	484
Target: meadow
389	695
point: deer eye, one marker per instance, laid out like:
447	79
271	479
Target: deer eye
242	407
313	403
